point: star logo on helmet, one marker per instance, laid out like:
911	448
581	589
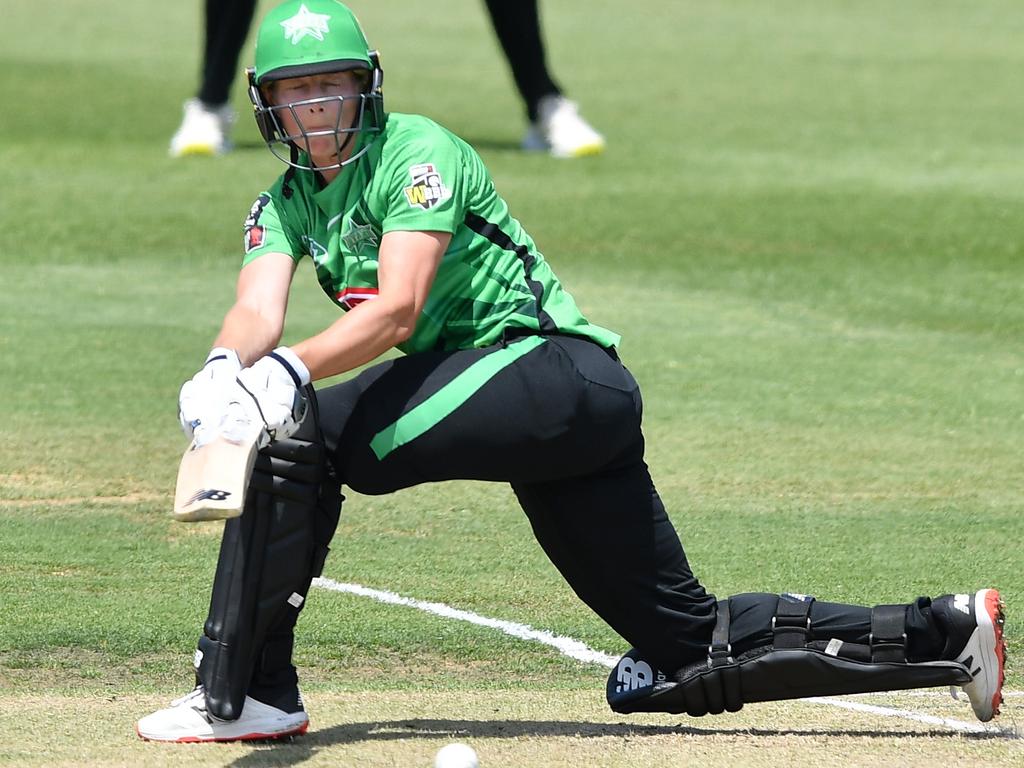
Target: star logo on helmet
305	23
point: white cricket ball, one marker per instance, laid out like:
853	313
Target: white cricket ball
456	756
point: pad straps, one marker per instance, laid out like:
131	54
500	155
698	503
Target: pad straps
722	690
791	625
888	638
720	650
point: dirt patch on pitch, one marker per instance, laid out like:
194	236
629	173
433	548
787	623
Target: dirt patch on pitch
42	489
555	729
74	501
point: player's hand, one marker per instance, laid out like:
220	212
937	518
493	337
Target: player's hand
268	394
204	397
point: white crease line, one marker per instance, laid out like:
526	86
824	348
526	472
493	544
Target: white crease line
925	694
580	651
906	714
574	649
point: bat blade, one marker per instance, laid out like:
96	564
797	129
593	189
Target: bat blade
213	477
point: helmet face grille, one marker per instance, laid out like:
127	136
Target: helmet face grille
369	120
366	121
301	38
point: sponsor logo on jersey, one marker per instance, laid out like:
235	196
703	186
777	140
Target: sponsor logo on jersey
305	23
255	235
427	188
351	297
257	208
359	236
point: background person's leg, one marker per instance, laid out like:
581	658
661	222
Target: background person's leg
227	26
517	26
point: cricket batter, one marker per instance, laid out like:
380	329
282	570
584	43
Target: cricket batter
503	379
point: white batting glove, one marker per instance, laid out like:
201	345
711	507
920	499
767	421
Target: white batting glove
204	397
268	395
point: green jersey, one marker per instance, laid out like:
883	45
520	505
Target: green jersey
417	176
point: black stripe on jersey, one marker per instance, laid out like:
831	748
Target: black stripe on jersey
493	232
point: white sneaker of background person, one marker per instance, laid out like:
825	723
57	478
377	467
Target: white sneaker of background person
561	130
204	130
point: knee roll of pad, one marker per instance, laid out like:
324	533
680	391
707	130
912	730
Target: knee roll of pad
791	667
268	557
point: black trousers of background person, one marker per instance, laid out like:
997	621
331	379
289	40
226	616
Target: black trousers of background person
562	425
226	27
516	25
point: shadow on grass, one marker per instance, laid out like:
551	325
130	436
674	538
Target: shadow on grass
249	145
303	748
491	144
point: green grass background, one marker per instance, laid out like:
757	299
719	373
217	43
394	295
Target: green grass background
807	227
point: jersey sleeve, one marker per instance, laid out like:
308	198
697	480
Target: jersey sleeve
265	231
426	180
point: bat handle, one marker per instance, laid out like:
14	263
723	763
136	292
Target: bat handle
238	428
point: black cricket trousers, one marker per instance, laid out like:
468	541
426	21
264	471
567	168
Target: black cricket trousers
559	418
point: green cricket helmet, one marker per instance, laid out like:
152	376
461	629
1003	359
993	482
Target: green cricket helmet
314	37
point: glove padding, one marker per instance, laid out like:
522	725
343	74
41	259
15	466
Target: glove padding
268	395
203	398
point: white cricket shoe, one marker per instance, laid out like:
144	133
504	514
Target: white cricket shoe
204	130
187	720
561	130
979	618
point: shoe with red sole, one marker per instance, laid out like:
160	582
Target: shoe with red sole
186	720
974	624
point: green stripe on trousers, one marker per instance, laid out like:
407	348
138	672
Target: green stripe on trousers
439	405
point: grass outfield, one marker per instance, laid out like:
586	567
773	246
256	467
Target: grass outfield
807	228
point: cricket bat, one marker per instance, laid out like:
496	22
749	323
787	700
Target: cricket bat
213	477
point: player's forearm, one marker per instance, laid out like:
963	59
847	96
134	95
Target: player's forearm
249	333
361	335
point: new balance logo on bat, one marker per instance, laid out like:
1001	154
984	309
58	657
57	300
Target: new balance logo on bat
208	494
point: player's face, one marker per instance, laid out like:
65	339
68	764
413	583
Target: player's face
320	106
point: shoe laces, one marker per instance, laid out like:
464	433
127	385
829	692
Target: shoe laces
196	693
